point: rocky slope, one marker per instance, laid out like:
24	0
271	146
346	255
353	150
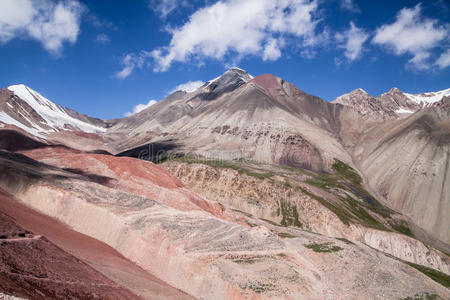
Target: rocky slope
276	195
405	158
205	252
99	256
265	119
365	104
34	268
27	111
415	179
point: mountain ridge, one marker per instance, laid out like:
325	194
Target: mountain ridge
262	118
246	187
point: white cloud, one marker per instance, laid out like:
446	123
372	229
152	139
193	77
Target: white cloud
349	5
102	38
413	34
165	7
48	22
188	86
140	107
130	62
272	50
352	40
444	60
235	28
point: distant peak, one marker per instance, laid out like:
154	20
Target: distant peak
240	72
20	88
360	90
234	73
17	86
237	69
394	90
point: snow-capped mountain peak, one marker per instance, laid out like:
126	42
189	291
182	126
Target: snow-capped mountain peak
427	99
34	113
242	75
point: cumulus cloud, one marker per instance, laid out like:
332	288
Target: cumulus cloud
413	34
48	22
130	62
188	86
444	60
352	40
140	107
235	28
272	50
102	38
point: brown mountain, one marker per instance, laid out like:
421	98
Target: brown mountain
272	192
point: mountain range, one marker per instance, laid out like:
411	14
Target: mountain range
246	187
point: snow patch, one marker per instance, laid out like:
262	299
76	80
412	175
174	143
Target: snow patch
242	70
425	99
404	111
11	121
250	77
54	115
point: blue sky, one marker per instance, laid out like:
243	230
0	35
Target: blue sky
105	57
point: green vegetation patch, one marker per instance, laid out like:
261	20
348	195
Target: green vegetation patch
251	224
258	287
339	211
368	200
350	209
270	222
242	212
323	247
286	235
361	213
422	296
245	260
437	276
346	241
289	213
346	171
227	165
401	227
324	181
287	184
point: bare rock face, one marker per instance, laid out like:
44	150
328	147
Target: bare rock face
397	101
362	102
228	82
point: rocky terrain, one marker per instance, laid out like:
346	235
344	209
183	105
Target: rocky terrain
246	187
34	268
192	247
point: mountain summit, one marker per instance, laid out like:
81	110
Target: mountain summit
364	103
27	109
393	101
227	82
